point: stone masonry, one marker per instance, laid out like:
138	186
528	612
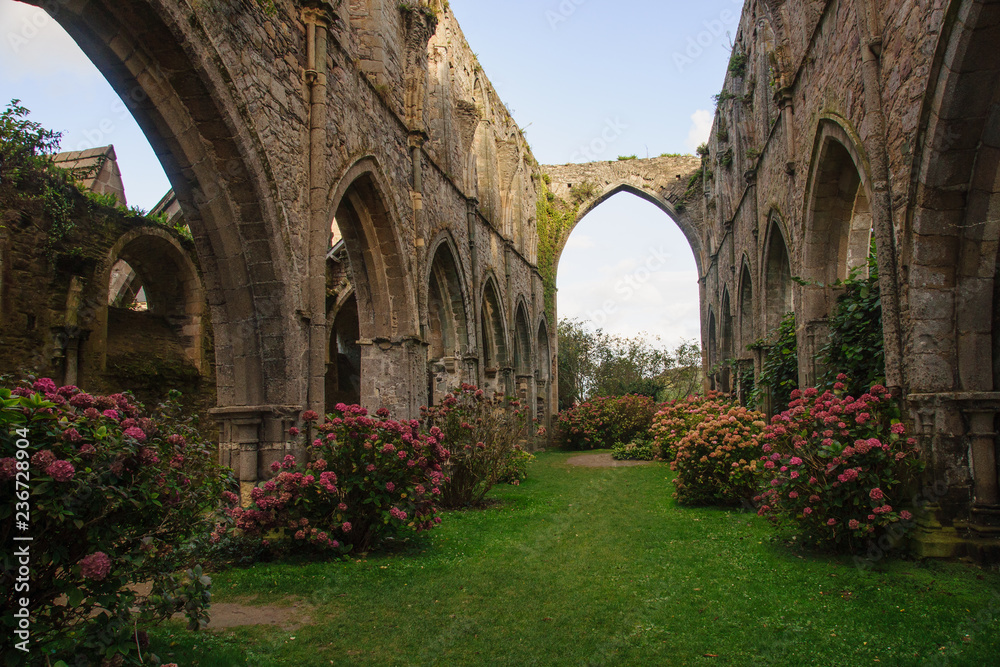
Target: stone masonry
838	120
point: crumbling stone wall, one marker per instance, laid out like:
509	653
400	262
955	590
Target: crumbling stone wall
844	116
273	125
54	299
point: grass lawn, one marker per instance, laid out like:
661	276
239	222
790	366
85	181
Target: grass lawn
598	566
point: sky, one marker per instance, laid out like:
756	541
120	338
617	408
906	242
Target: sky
565	68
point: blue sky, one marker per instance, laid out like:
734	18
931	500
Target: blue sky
564	67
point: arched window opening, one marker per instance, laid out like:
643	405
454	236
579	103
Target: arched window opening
522	343
746	312
448	330
494	338
153	331
726	351
841	218
777	280
343	376
713	350
125	289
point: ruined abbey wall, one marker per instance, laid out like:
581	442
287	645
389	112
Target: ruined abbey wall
277	123
848	119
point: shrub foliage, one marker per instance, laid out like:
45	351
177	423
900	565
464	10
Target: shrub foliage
717	458
483	436
603	423
365	479
111	498
834	467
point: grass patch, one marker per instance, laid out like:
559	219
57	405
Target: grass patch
599	566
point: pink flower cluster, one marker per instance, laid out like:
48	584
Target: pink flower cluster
836	459
96	566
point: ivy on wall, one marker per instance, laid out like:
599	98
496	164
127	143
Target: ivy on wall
779	373
556	218
856	346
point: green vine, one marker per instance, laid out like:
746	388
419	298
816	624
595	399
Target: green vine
856	344
556	218
780	368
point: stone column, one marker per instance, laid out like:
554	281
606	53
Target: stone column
982	437
251	438
394	375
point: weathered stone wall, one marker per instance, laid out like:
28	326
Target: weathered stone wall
271	127
851	115
58	248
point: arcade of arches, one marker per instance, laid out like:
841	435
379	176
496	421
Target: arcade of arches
852	120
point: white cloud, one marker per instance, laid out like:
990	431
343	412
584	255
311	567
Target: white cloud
701	128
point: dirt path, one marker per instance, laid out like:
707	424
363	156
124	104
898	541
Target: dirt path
602	461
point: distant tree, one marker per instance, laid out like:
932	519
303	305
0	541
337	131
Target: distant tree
576	365
596	363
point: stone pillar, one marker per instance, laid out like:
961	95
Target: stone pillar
982	436
251	438
526	395
67	346
394	375
812	335
471	362
957	511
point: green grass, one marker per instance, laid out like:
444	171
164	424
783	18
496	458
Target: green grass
584	566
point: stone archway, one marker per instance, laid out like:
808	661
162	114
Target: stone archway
161	59
496	359
777	278
837	238
448	332
383	287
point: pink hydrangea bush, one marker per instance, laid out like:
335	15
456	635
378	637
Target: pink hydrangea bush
112	497
483	436
834	467
676	418
365	479
717	459
603	423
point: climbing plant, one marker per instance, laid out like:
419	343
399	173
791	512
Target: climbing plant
856	344
780	369
555	221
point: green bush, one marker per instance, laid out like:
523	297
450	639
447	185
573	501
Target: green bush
483	437
366	480
835	468
856	344
603	423
640	450
779	374
111	499
676	418
717	459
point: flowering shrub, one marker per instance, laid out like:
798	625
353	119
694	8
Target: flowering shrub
603	423
482	435
640	450
833	466
366	479
111	498
515	470
717	459
676	418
